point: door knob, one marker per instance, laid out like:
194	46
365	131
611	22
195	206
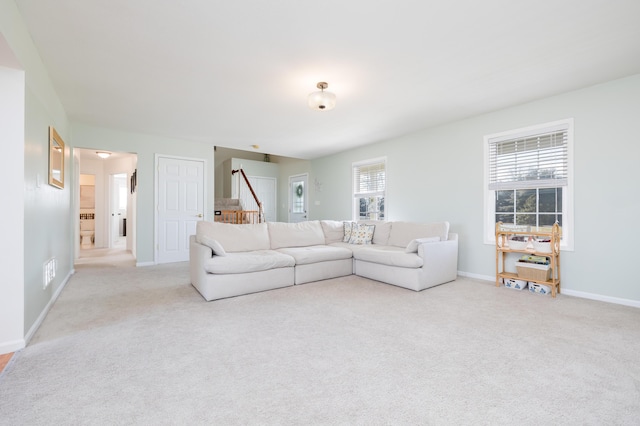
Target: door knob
199	215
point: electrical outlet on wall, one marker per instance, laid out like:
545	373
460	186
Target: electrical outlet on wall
49	271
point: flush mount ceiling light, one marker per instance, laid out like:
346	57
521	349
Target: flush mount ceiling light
322	101
103	154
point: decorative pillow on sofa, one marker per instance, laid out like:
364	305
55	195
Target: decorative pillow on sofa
412	247
361	234
383	230
348	229
217	248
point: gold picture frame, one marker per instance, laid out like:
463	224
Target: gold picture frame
56	159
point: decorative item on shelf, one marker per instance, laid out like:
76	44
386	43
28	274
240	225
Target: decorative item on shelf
515	284
518	242
533	271
322	101
542	245
539	288
540	260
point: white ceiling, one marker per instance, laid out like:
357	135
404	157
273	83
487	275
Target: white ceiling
237	73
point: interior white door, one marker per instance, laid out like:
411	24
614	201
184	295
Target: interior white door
180	206
118	207
298	199
265	189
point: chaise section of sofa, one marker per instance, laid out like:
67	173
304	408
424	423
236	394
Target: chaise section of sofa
416	256
230	260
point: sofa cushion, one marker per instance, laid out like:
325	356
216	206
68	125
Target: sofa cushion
403	232
388	255
252	261
347	228
314	254
412	247
212	243
235	238
361	234
381	234
351	247
299	234
333	230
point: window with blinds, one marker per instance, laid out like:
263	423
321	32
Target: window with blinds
528	177
533	161
369	187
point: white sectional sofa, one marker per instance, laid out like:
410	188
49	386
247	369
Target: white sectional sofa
230	260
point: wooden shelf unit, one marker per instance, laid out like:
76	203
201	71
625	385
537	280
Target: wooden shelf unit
552	233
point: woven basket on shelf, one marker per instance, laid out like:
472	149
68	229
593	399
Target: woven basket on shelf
532	271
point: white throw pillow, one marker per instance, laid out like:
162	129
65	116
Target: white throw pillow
217	248
361	234
348	228
403	232
412	247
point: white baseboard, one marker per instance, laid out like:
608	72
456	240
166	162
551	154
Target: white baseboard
568	292
601	298
47	308
145	263
477	276
13	346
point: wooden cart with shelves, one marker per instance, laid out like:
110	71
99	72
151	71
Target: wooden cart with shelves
551	233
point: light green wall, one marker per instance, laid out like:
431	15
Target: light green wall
437	174
47	212
47	218
146	147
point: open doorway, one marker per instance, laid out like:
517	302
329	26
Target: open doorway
118	209
106	200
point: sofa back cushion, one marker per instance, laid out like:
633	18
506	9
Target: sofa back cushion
333	231
235	238
299	234
403	232
381	232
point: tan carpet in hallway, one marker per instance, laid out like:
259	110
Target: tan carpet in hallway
140	346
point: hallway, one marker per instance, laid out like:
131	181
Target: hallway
116	256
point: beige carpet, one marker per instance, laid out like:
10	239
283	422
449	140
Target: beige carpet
140	346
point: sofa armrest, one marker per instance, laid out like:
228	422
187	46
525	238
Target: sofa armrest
440	260
198	253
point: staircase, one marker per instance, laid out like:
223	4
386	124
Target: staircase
230	210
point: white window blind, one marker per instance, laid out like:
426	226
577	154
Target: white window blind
369	179
529	161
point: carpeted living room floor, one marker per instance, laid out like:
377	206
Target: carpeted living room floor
126	345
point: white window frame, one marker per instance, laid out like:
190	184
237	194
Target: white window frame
355	210
567	193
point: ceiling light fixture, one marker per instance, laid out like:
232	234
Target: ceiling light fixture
103	154
322	101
